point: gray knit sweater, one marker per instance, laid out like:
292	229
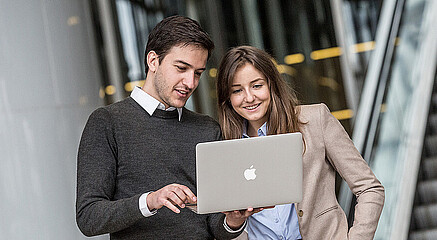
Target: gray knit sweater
123	153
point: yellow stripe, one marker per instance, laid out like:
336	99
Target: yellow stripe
343	114
294	58
326	53
363	47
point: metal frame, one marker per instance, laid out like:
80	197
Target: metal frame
112	50
350	83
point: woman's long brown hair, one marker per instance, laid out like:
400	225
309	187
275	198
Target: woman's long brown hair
282	111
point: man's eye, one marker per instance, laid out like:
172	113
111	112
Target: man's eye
198	73
180	68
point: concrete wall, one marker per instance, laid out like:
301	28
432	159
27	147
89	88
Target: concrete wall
49	84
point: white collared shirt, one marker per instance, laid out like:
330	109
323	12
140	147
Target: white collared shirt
149	103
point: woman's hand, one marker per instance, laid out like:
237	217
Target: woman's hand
235	219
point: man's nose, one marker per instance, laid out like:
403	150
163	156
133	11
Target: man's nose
190	80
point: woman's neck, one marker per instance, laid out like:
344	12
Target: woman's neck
252	132
252	129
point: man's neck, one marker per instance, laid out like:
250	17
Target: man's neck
151	91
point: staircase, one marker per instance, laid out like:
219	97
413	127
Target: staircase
424	216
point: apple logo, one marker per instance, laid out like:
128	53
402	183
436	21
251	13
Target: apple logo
249	173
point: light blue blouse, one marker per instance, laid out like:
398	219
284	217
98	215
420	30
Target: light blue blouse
280	222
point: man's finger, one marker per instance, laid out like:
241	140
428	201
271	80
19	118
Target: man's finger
190	195
179	192
172	207
175	199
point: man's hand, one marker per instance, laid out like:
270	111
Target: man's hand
235	219
171	196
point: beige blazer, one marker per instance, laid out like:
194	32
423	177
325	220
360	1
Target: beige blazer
328	150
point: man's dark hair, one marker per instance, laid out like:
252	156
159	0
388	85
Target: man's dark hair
174	31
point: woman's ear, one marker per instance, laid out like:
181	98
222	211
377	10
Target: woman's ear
152	61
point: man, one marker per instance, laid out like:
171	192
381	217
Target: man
136	159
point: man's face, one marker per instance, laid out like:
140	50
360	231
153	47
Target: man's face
177	76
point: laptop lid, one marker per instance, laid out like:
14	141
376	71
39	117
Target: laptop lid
249	172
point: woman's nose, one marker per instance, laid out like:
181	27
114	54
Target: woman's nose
249	97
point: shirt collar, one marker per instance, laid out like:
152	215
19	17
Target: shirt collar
262	131
149	103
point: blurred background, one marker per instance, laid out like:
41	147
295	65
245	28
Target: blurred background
373	62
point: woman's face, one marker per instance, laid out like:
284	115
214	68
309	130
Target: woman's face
250	95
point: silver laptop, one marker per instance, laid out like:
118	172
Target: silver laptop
249	172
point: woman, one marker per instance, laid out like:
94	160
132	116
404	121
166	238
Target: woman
253	100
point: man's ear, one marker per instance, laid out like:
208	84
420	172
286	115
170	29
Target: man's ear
152	61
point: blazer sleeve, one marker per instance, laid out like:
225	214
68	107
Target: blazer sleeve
96	212
348	162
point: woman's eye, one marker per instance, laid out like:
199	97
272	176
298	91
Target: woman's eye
236	91
180	68
257	85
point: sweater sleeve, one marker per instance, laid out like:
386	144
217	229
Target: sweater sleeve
215	222
348	162
96	211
